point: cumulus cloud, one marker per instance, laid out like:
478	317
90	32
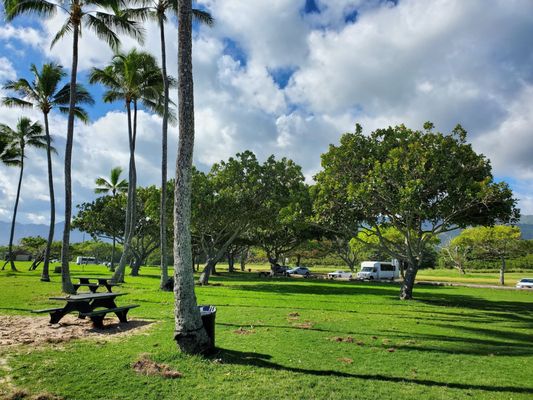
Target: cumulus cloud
273	78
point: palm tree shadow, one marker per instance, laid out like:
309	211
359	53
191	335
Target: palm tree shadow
259	360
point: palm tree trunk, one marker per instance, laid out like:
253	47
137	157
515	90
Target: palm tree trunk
45	276
189	332
65	269
164	133
112	267
12	234
118	276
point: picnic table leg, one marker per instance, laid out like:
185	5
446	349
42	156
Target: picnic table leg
98	321
56	316
122	315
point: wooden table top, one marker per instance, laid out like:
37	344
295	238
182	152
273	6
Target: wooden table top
87	296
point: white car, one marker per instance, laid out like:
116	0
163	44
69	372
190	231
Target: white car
525	283
340	274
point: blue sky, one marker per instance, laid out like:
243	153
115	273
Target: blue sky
288	77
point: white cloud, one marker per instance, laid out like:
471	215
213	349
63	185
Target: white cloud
443	61
6	69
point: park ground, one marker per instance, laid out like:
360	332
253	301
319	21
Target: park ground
281	338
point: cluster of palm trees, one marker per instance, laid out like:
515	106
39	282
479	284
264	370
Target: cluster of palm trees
135	79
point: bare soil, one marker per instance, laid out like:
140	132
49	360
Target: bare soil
17	330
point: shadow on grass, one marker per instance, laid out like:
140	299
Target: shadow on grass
321	288
263	361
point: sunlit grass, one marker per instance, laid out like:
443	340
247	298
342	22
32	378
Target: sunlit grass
305	339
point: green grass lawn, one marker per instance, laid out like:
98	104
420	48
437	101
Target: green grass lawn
448	343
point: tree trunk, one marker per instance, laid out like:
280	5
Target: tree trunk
298	259
112	266
135	267
208	270
231	262
45	276
273	260
66	283
244	258
502	272
189	331
406	290
163	206
13	221
129	227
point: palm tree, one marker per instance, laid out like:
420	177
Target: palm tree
44	93
133	78
113	186
27	134
104	24
188	333
159	10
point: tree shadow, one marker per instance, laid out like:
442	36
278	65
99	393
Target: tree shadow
264	361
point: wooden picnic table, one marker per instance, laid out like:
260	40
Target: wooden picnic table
93	305
93	287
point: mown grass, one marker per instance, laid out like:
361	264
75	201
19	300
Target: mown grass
444	275
449	343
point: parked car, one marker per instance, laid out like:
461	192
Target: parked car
526	283
340	274
299	271
278	270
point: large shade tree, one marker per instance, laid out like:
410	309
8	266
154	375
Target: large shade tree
45	93
105	18
189	332
421	183
27	134
134	78
112	186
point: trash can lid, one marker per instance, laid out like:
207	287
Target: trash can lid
206	310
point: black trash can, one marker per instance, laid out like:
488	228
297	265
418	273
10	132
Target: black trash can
209	314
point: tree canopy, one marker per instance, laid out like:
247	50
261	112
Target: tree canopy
422	183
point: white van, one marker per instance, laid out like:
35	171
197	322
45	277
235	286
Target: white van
375	270
85	260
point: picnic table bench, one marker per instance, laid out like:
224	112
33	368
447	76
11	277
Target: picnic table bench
92	305
85	281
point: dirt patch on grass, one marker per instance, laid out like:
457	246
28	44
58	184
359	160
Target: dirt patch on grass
244	331
16	330
146	366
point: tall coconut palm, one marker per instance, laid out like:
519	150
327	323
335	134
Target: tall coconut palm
133	78
27	134
189	333
159	10
45	94
92	15
113	186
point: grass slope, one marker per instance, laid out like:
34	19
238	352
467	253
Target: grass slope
449	343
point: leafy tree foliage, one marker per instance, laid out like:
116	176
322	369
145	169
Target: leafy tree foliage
498	242
422	183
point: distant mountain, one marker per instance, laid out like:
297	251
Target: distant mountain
24	230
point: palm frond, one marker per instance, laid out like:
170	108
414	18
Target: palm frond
22	87
66	28
203	17
102	30
16	102
14	8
